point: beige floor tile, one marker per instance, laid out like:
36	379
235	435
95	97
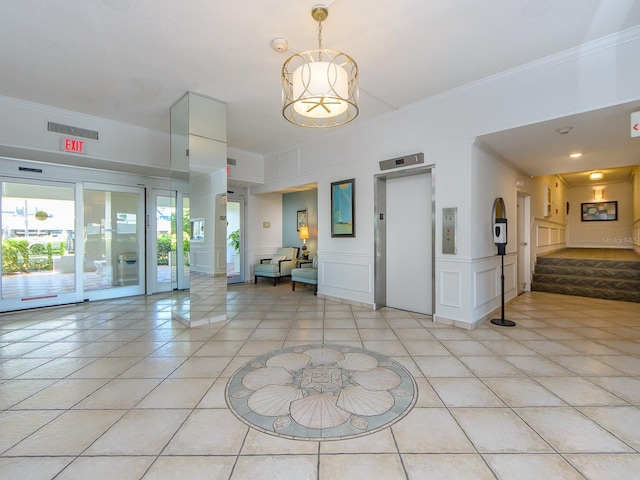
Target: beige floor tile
153	367
538	366
499	430
177	349
121	393
269	334
137	349
387	466
17	425
568	431
430	430
63	394
139	432
335	335
277	467
201	367
586	366
623	363
625	387
438	366
548	347
507	347
106	468
15	391
215	396
254	348
422	348
379	442
607	467
191	467
69	434
446	467
522	392
95	349
177	393
622	421
259	443
208	432
393	348
492	366
427	397
218	348
466	347
32	468
464	392
14	367
105	368
579	391
531	467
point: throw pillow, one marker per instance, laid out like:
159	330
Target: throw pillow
276	259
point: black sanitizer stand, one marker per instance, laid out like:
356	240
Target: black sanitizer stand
500	239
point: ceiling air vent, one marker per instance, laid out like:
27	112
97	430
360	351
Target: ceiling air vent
231	161
69	130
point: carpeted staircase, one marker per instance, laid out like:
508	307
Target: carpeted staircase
610	279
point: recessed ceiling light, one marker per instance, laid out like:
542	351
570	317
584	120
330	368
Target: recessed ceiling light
564	130
576	155
596	176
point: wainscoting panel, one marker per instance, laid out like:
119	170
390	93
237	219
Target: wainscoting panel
346	276
451	289
486	285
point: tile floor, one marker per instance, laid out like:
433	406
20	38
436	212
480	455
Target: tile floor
116	390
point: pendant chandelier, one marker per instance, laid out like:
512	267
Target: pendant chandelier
320	87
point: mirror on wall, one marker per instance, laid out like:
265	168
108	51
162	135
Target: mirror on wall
198	175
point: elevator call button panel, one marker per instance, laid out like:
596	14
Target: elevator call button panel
449	219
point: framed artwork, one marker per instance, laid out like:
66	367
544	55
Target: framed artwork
301	219
343	220
599	211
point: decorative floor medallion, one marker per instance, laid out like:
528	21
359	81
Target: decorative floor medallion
321	392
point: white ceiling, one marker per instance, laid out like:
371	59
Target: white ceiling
130	60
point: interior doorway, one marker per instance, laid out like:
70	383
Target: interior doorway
523	244
235	238
404	209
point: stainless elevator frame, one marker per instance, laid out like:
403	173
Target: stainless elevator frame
380	232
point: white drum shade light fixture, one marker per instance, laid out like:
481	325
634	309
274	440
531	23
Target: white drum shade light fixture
320	87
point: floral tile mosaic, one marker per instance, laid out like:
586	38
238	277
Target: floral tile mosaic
321	392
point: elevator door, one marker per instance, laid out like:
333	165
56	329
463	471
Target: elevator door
408	245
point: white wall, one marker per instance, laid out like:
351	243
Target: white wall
444	128
549	218
610	234
122	147
636	209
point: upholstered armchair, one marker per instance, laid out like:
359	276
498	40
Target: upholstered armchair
278	266
307	273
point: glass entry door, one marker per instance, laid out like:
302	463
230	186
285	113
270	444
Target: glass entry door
39	261
235	238
113	234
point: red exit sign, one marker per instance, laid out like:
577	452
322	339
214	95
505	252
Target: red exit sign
73	145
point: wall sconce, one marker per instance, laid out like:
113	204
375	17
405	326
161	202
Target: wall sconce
597	194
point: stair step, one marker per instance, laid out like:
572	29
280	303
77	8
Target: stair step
590	263
621	273
621	284
581	291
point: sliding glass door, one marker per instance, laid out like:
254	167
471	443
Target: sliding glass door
113	234
39	257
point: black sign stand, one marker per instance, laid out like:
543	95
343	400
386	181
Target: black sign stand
501	321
